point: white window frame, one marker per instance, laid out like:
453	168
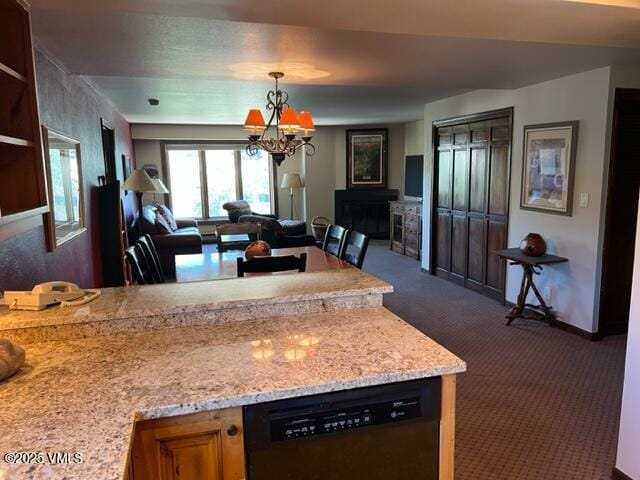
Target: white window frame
201	146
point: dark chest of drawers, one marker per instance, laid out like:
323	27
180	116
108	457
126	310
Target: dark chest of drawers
406	227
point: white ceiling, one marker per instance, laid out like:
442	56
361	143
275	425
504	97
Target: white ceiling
356	61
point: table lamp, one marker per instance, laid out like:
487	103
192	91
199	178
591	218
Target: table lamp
140	182
291	180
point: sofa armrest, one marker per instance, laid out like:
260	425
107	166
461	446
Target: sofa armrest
266	215
253	218
186	222
172	241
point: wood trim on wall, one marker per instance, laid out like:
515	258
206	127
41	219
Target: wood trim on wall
616	474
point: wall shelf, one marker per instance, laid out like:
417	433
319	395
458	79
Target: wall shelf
19	142
22	179
12	73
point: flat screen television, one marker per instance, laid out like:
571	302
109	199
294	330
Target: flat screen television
413	175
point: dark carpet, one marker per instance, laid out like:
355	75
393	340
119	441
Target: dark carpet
536	403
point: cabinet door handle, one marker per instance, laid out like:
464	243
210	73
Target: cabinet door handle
232	430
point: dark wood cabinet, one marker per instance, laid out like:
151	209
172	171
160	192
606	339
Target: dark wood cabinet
406	228
366	211
113	236
22	179
471	184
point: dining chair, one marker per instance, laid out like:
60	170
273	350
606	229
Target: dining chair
139	265
355	248
151	254
232	231
334	240
281	263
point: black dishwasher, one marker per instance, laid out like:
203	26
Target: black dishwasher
388	432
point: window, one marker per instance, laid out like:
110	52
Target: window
203	177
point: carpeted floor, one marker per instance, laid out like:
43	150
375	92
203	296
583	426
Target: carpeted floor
536	403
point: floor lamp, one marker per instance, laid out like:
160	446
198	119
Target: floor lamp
291	181
139	182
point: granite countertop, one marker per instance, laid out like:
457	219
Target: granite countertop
183	298
84	395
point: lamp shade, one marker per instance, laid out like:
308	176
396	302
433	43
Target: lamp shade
139	181
291	180
254	120
306	121
289	119
160	187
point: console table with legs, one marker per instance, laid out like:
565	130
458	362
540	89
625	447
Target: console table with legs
530	266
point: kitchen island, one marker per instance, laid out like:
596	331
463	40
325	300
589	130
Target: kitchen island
85	394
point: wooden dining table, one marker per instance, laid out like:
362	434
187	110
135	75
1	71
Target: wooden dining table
199	267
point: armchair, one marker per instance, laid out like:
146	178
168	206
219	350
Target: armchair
238	208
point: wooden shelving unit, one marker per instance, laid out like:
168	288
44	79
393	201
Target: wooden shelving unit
22	179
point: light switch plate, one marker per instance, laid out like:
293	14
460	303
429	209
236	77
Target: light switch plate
584	200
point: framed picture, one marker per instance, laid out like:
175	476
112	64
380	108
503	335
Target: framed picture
151	169
548	167
126	166
367	158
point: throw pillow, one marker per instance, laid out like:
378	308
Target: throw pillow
162	224
167	215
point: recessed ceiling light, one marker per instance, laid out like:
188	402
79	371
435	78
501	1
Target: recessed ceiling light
153	102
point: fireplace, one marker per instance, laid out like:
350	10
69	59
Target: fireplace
366	211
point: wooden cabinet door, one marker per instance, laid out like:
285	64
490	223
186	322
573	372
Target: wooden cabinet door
471	203
444	185
202	446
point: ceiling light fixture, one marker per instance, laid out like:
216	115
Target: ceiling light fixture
293	131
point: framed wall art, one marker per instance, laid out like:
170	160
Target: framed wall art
548	167
367	152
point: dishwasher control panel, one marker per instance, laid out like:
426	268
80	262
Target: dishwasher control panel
320	420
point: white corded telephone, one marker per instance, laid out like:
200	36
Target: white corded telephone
45	294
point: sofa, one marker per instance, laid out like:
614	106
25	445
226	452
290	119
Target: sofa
171	237
238	208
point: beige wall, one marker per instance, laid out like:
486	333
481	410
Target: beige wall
582	97
414	138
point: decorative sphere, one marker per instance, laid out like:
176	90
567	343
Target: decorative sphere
533	245
259	248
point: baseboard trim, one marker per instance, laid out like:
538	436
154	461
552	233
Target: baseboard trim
618	475
559	324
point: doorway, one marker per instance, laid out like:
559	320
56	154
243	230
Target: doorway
472	160
109	151
620	214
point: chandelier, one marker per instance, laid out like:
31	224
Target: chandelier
293	131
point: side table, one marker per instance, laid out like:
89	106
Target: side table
530	266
